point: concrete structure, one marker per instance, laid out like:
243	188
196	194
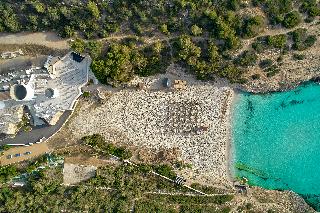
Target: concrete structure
74	173
47	93
9	55
179	84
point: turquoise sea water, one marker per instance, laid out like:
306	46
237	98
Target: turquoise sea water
276	140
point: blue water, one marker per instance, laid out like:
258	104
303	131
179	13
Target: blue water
276	140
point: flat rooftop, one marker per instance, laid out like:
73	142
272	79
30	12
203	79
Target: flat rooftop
46	92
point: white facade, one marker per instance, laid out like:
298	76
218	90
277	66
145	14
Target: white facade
48	92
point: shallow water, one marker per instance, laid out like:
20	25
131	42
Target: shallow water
276	140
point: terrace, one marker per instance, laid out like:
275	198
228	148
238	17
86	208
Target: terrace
46	92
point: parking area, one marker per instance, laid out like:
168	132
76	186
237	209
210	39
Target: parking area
21	153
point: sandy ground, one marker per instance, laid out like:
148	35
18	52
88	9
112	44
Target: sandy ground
21	63
35	149
49	39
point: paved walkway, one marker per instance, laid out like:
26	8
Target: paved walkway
37	133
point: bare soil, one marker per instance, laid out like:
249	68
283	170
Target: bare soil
36	150
49	39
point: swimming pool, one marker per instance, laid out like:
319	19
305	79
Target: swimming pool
276	140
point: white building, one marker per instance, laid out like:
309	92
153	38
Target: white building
46	92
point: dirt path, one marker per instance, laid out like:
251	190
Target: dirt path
52	40
271	32
49	39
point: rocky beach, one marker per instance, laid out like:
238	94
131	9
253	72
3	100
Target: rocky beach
194	120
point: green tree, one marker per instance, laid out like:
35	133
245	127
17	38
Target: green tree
10	19
38	6
164	29
67	32
213	52
33	20
187	48
78	45
94	48
157	47
252	26
93	9
195	30
277	41
116	67
291	19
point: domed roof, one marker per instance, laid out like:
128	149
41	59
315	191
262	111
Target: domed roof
49	93
21	92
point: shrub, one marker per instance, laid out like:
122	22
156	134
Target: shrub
180	199
265	63
231	72
207	189
7	172
280	59
4	147
94	140
164	29
98	141
252	26
271	71
298	56
277	41
148	206
310	40
121	152
259	47
144	168
195	30
255	76
310	7
86	94
314	11
191	208
299	34
247	58
300	39
165	170
94	48
291	19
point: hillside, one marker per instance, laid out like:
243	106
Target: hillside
261	44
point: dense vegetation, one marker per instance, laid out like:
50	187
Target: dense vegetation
200	35
126	187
